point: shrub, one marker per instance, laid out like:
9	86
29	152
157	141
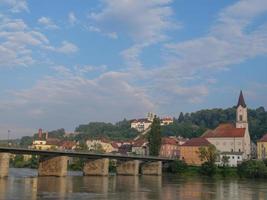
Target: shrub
252	169
208	169
177	166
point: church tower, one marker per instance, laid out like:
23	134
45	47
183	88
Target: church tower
241	113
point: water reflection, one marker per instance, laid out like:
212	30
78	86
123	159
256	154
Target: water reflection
17	186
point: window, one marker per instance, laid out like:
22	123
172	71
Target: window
240	118
233	157
238	157
239	150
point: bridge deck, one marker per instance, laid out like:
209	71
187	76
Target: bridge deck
81	154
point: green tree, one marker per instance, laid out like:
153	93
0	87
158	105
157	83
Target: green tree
225	160
26	141
154	137
209	156
181	117
252	169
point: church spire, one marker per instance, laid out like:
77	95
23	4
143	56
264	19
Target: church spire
241	101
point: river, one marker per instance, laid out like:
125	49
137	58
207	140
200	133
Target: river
24	184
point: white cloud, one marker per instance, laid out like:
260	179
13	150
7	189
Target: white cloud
65	48
66	101
17	41
16	5
141	20
47	23
72	18
111	35
233	39
228	41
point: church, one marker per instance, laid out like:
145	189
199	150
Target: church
232	140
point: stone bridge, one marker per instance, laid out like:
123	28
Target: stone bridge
55	163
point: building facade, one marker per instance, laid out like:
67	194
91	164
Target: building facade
169	148
262	148
189	151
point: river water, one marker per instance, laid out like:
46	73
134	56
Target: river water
24	184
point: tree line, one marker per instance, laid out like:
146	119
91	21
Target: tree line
187	125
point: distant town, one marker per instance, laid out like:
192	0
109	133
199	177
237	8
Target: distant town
231	140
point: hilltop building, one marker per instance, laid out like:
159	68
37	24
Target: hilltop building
143	124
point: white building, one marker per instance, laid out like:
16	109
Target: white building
233	158
100	145
230	138
141	124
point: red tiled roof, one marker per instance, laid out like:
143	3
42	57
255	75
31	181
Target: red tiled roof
68	144
171	141
264	138
114	145
52	141
197	142
139	143
225	130
167	119
142	120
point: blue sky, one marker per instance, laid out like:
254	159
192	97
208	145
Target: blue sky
64	63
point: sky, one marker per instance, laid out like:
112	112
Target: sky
65	63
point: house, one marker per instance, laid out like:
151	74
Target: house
141	124
140	147
44	144
262	147
67	145
166	121
125	149
101	145
233	158
233	138
169	147
189	151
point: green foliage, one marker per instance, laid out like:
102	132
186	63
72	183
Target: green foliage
121	130
252	169
208	169
177	166
77	164
225	160
26	141
184	129
209	156
112	166
194	124
154	137
20	162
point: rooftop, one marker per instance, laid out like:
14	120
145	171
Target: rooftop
225	130
264	138
197	142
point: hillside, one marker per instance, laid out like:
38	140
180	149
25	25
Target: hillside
187	125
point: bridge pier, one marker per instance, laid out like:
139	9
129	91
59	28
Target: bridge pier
53	166
152	168
130	168
97	167
4	164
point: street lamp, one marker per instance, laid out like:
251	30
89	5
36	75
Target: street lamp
8	135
